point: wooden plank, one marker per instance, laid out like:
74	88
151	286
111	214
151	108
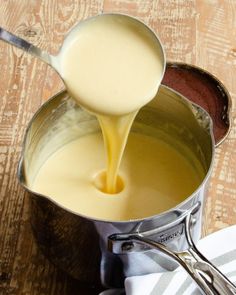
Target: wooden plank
215	48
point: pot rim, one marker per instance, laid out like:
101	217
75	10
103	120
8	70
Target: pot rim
222	87
21	179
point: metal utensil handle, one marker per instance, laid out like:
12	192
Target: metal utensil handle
24	45
208	278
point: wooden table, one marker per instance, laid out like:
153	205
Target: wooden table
200	32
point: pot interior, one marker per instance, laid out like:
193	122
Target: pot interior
169	117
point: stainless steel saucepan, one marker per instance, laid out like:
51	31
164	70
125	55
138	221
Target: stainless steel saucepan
103	250
106	251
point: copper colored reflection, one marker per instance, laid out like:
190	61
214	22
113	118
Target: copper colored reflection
203	89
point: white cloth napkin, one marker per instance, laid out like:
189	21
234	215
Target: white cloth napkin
219	248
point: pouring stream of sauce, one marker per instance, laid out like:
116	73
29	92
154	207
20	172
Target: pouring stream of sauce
112	65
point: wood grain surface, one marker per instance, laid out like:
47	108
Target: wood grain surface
200	32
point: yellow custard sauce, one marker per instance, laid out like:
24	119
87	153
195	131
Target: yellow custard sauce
112	65
156	178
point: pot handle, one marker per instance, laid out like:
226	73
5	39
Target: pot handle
208	278
205	274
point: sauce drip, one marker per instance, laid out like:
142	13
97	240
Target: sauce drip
112	66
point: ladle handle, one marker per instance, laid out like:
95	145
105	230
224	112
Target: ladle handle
24	45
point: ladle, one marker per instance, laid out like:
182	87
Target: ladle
68	68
